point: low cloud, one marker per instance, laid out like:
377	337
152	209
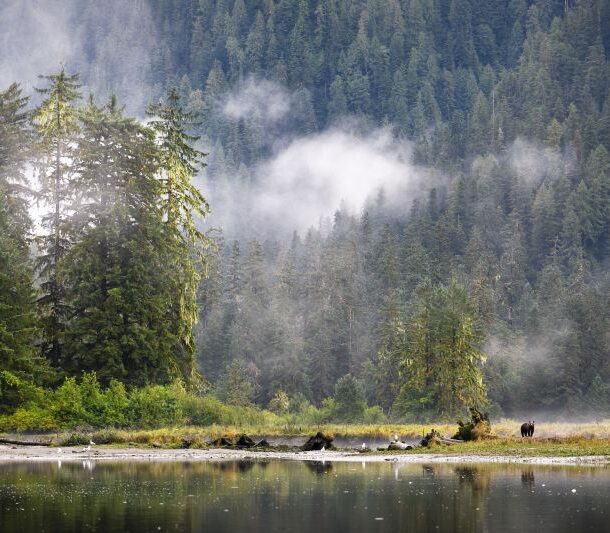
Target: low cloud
260	100
532	162
314	175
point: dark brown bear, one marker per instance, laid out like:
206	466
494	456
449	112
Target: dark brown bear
525	429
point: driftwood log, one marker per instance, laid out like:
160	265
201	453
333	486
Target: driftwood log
317	442
398	445
24	443
242	441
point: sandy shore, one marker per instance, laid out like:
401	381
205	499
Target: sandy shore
39	453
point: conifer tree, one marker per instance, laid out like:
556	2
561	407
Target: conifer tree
20	365
183	206
440	362
16	139
56	120
116	273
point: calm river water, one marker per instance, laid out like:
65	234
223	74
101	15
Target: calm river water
301	497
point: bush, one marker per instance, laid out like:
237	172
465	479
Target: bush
280	403
373	415
350	400
66	404
30	418
16	391
155	406
115	405
298	403
205	411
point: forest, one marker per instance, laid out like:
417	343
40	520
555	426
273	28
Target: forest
147	278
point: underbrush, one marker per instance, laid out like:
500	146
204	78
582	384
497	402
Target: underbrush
85	404
570	446
172	416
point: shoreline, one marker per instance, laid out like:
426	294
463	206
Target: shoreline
25	454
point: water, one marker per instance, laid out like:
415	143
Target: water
291	496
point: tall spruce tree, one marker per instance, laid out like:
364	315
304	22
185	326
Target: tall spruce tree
440	362
20	366
116	272
56	120
183	206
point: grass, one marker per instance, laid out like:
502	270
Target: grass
553	439
572	446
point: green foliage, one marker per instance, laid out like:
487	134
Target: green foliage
156	406
524	226
349	398
236	387
85	404
374	415
280	403
440	362
20	366
56	121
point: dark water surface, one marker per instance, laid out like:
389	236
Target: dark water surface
288	496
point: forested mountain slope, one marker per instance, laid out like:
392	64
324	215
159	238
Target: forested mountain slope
508	101
469	139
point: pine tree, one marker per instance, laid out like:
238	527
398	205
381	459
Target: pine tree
440	363
183	207
20	365
116	273
56	121
16	138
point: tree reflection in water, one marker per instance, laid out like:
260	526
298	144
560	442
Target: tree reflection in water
296	496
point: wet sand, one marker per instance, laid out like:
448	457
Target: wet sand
10	453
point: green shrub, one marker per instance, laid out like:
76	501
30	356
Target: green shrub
66	404
115	405
29	418
298	403
155	406
75	439
17	391
373	415
349	398
280	403
205	411
92	400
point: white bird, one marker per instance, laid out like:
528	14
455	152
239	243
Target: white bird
323	448
91	443
364	446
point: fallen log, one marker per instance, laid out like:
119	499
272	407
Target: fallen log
245	442
24	443
397	445
222	441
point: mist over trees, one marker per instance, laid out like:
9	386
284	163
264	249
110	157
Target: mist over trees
509	101
488	287
116	270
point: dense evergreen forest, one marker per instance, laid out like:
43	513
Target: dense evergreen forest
489	286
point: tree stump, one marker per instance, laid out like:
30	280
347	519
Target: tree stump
317	442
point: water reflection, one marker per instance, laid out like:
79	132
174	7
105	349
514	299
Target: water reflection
528	479
319	467
284	496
